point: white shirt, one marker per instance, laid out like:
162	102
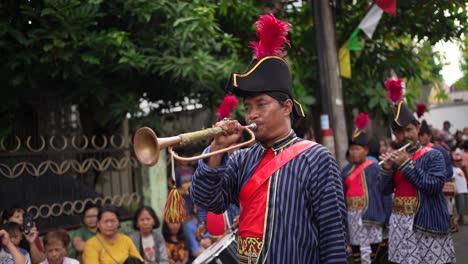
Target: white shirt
7	258
148	249
460	181
66	260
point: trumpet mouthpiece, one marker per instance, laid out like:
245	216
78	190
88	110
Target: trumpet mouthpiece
252	126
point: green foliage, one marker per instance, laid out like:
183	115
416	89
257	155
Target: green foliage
107	56
402	44
462	83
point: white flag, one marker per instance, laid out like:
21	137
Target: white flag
371	20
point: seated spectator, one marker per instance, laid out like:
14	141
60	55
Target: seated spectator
30	241
56	244
148	239
9	253
15	234
176	243
82	234
197	242
109	246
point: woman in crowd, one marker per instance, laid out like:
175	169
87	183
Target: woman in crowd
87	231
109	246
148	239
30	241
176	243
56	244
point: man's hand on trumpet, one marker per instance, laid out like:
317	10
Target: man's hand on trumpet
394	158
232	133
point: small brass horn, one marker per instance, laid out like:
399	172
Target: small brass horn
147	145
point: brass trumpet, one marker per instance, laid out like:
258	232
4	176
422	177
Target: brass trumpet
147	145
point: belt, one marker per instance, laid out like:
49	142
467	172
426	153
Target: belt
248	249
355	203
405	205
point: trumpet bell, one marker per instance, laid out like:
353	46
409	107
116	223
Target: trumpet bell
146	146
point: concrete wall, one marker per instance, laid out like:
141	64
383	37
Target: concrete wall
456	113
154	181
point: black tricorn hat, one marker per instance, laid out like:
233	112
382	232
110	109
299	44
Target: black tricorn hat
269	72
401	115
359	138
424	128
268	75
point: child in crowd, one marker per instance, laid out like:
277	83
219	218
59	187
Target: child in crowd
15	234
9	253
176	242
30	239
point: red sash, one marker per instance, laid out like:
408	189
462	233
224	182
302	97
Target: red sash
354	184
429	145
253	195
403	188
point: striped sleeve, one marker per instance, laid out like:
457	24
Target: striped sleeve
429	179
330	211
213	188
386	181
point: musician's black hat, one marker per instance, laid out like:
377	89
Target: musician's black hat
400	114
424	128
269	72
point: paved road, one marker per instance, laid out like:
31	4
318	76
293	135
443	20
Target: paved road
460	239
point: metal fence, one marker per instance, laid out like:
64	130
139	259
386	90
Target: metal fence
53	178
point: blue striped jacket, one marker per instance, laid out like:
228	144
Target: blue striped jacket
374	209
306	213
427	175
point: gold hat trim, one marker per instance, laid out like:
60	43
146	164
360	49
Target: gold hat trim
245	74
300	106
357	133
398	112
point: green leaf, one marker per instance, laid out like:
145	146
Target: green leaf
47	47
183	20
90	59
18	36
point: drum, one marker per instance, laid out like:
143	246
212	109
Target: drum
222	251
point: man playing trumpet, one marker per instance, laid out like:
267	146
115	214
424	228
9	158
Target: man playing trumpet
289	190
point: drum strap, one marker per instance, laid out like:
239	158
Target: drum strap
264	173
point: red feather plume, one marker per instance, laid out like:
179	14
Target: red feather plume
420	109
361	121
227	105
394	89
271	33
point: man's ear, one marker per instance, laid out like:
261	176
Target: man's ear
288	105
